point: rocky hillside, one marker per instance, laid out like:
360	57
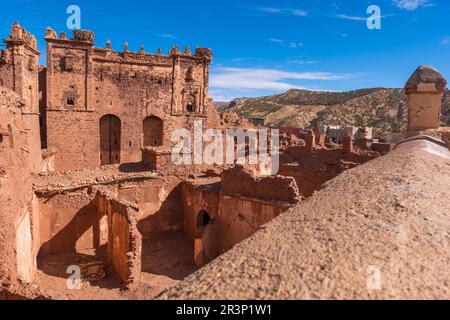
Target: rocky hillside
383	109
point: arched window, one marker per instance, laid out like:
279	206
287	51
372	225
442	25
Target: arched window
191	103
153	131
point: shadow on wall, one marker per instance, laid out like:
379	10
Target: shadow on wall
133	167
63	249
168	218
166	250
66	240
56	266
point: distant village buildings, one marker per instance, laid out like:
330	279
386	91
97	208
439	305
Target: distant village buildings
337	133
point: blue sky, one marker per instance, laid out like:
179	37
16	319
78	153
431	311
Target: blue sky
266	46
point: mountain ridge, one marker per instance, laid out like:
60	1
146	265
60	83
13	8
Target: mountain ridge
384	109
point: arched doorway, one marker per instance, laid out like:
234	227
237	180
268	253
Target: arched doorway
153	131
110	133
203	219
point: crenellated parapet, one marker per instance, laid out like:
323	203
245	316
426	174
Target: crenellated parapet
78	36
86	37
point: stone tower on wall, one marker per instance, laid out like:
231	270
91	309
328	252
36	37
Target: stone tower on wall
19	72
425	89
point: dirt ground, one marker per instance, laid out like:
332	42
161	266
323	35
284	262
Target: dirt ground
166	260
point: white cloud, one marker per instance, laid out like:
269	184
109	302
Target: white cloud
289	44
241	59
445	42
346	17
295	44
411	5
265	79
276	40
167	36
221	96
295	12
299	61
357	18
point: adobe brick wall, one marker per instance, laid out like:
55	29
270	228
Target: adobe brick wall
69	222
242	181
124	244
18	213
74	137
233	216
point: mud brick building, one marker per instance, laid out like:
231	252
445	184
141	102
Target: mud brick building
104	106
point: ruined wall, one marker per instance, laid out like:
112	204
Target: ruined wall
197	198
19	231
69	222
124	245
240	217
245	182
158	200
85	83
311	169
220	214
92	218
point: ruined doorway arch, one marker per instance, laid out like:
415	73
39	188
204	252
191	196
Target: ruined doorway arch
110	136
153	131
206	242
203	219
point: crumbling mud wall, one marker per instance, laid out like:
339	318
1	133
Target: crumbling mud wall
248	201
124	245
311	169
220	214
196	199
158	200
19	226
69	222
92	218
245	182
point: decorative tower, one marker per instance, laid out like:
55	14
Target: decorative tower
425	90
21	75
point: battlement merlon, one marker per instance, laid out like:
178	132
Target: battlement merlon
80	36
20	36
86	37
